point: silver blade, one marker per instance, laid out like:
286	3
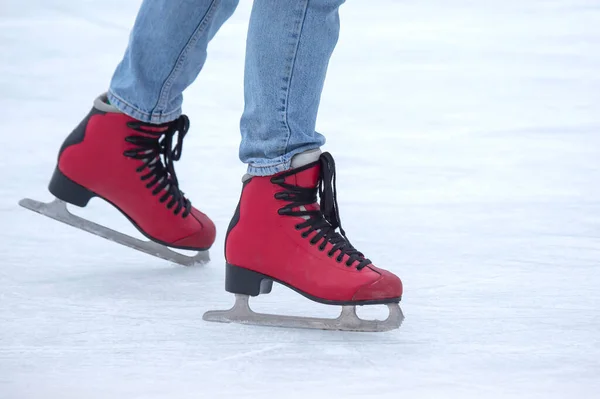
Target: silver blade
346	321
57	210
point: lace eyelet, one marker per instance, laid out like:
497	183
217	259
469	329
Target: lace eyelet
339	260
304	235
297	228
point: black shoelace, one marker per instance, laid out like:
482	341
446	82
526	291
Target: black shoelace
157	151
323	222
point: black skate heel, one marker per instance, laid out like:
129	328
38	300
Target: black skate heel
67	190
243	281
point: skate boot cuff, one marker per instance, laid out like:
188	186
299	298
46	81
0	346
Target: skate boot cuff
101	104
298	160
306	157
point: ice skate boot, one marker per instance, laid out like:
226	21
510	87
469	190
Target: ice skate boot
279	233
129	164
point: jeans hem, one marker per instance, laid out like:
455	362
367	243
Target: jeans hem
136	113
269	169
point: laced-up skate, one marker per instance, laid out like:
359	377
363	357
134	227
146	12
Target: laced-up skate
279	233
130	164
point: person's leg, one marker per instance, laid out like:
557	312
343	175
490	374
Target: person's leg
288	49
279	232
124	150
167	50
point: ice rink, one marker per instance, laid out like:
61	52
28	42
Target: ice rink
467	141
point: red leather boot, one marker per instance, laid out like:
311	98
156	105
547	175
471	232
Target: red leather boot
130	164
280	233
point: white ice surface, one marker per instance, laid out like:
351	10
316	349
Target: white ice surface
467	136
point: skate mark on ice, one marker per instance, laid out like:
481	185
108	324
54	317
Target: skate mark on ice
250	353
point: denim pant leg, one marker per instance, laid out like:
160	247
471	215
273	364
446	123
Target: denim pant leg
288	49
166	51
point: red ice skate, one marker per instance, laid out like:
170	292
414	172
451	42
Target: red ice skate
129	164
279	233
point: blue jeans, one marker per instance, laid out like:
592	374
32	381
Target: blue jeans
288	49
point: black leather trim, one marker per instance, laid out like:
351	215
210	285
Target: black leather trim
78	134
236	216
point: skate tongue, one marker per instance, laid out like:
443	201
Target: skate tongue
309	177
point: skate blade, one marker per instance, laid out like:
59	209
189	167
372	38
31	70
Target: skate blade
346	321
57	210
